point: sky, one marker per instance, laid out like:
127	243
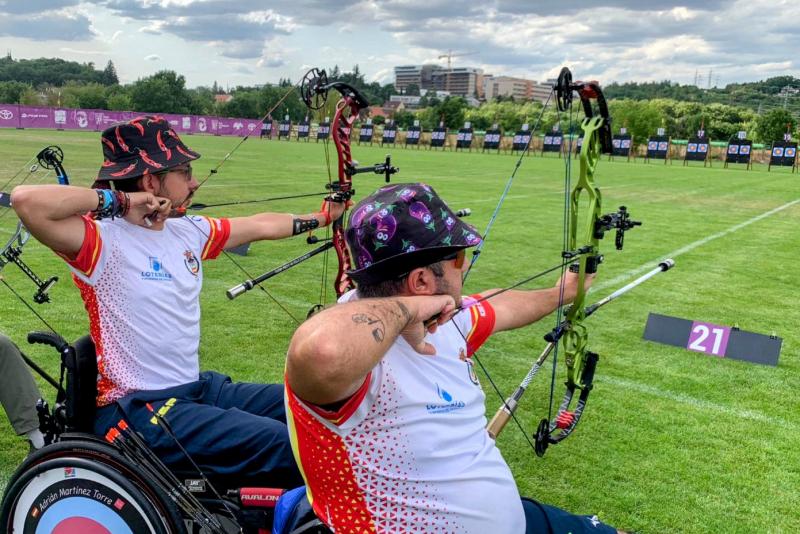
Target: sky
249	42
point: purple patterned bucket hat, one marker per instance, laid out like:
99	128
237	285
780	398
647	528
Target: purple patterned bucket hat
402	227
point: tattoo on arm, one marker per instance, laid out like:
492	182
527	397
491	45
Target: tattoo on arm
379	331
404	310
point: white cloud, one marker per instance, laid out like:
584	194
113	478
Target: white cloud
152	57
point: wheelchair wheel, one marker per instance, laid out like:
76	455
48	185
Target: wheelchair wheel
88	487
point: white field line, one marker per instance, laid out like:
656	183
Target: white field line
558	192
701	404
648	266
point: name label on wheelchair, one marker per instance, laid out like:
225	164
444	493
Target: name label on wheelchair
714	340
195	485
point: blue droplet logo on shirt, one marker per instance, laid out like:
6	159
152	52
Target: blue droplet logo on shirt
156	272
451	405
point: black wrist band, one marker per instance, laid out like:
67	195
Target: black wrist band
301	226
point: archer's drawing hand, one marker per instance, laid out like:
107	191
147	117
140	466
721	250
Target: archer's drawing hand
421	309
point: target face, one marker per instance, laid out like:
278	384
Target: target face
652	145
557	140
777	152
617	143
77	501
84	525
744	149
626	143
691	147
790	152
733	149
663	146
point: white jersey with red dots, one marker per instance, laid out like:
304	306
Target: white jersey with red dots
409	451
141	289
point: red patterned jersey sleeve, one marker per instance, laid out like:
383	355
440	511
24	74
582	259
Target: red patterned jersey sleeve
86	260
343	412
218	234
482	317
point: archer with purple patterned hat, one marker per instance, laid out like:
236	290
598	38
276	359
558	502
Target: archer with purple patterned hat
382	389
401	227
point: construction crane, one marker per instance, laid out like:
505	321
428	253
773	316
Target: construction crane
450	55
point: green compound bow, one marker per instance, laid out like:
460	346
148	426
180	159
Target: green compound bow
585	226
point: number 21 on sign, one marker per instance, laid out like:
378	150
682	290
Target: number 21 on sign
709	339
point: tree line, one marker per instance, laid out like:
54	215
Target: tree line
641	108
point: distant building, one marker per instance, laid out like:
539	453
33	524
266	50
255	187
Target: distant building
464	81
519	88
541	91
222	98
420	75
387	110
409	101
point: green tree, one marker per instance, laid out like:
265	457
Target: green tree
164	92
110	74
773	124
404	119
412	89
11	92
119	102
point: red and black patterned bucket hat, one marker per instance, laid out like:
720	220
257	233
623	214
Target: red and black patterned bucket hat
144	145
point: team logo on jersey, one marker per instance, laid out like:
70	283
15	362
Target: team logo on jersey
470	366
191	262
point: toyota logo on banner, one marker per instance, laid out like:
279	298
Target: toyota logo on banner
6	114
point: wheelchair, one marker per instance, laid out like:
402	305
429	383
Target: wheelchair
80	482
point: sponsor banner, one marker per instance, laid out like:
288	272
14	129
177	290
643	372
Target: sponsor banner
9	116
30	117
13	116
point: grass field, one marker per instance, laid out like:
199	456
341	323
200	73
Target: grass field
671	441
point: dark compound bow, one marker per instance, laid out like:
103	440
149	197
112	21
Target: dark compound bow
314	90
50	158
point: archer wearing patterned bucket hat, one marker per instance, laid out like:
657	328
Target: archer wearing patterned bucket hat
144	145
400	228
384	381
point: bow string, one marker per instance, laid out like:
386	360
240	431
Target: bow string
584	227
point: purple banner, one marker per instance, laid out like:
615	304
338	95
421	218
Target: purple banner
36	117
14	116
9	116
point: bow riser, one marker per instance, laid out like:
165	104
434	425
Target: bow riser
347	111
583	237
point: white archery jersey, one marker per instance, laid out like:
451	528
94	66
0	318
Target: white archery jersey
141	289
409	452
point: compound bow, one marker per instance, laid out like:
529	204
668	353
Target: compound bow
584	228
314	90
50	158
